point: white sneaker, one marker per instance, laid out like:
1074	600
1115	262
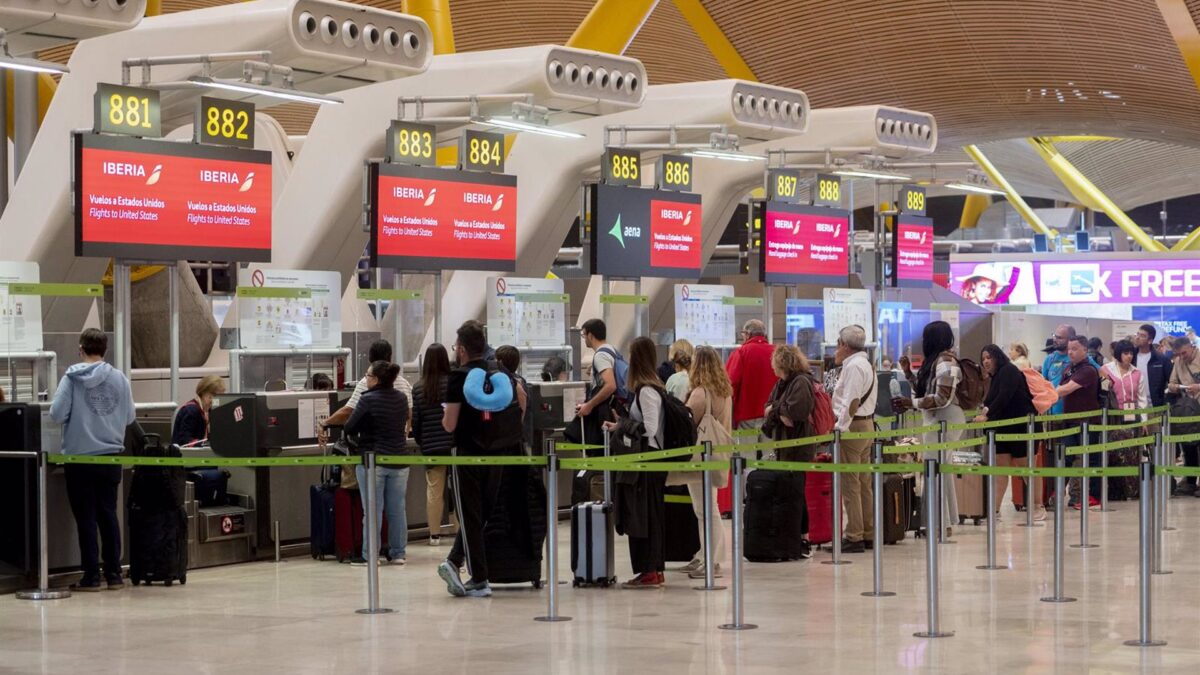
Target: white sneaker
1039	514
435	541
693	566
449	573
398	561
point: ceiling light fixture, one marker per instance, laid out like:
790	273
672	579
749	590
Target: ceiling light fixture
513	124
255	89
10	62
870	173
972	187
728	155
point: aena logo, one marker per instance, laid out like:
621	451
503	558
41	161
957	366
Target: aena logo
617	232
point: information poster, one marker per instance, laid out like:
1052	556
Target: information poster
947	312
1165	279
1128	330
163	200
641	232
20	315
848	307
704	314
433	219
526	312
804	244
282	320
912	252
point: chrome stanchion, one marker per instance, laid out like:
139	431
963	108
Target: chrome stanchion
738	466
1085	494
1145	516
1104	460
1163	493
1158	498
43	591
370	494
1030	481
552	615
709	563
877	540
991	501
1060	500
933	514
275	538
941	533
837	504
607	473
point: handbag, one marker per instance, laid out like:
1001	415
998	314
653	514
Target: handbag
709	429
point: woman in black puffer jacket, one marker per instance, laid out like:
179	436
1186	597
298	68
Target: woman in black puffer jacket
428	398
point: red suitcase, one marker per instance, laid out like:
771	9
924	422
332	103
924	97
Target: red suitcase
818	497
725	498
348	525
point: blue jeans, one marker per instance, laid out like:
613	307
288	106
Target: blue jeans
391	488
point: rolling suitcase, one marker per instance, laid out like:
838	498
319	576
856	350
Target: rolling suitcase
897	508
818	498
515	532
592	540
587	486
158	546
348	525
968	489
683	530
774	517
1019	484
321	520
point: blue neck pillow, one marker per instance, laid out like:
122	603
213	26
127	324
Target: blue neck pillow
488	393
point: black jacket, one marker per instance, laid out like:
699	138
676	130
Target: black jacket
379	420
427	427
190	424
1159	371
1008	397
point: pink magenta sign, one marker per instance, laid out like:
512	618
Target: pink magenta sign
804	244
1094	279
912	252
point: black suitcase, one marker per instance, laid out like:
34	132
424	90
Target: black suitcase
587	486
321	521
897	508
515	533
683	531
158	546
157	488
211	486
774	516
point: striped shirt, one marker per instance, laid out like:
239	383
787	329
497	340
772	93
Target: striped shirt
941	390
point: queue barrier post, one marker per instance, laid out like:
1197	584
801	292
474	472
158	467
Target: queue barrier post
1158	494
1145	527
933	513
709	563
1031	482
1104	459
837	505
43	591
1167	452
1060	500
738	469
1085	492
607	473
877	540
552	615
275	538
942	538
371	513
990	496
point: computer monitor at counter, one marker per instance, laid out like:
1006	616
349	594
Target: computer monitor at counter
264	424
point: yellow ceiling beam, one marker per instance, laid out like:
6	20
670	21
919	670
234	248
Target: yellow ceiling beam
1080	139
436	13
714	38
1188	243
973	209
1183	29
1014	197
611	25
1087	192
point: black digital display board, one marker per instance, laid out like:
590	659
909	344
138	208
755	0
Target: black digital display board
642	232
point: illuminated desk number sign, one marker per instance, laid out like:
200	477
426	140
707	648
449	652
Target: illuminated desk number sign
410	143
783	185
224	122
829	191
912	200
675	173
623	167
131	111
482	151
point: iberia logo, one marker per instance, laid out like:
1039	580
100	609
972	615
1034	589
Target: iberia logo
249	182
499	203
432	196
154	175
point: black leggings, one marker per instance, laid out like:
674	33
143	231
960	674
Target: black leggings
648	554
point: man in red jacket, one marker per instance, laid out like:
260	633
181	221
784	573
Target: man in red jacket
752	376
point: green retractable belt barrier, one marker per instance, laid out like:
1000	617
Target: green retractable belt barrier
768	446
935	447
128	460
415	460
1182	438
650	456
1178	471
1191	419
825	467
1041	472
1066	417
888	433
1113	445
601	465
1123	427
1039	436
577	446
990	424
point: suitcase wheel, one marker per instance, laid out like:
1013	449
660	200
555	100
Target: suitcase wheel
135	582
536	584
167	582
978	521
182	580
962	519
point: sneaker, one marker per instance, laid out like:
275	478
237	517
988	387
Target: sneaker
87	585
693	566
398	561
449	573
646	580
1093	503
806	549
997	518
478	589
1076	506
1039	514
699	574
853	546
869	543
115	583
362	562
435	541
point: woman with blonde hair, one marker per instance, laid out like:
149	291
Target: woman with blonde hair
788	417
191	421
711	403
678	384
1019	354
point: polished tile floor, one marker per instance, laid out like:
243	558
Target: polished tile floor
298	617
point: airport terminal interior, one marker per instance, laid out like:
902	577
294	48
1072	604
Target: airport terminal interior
581	336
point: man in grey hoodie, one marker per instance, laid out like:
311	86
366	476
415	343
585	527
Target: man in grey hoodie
95	405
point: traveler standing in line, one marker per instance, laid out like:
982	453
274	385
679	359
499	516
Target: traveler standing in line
1128	384
191	421
1018	353
711	395
1080	392
509	358
477	486
1095	344
379	419
855	392
1008	398
380	350
94	404
1057	361
434	441
935	397
604	375
1185	382
679	382
1156	368
555	370
751	375
789	416
640	505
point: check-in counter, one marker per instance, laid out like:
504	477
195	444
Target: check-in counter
551	406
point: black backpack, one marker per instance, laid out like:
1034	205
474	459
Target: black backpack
678	429
502	430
